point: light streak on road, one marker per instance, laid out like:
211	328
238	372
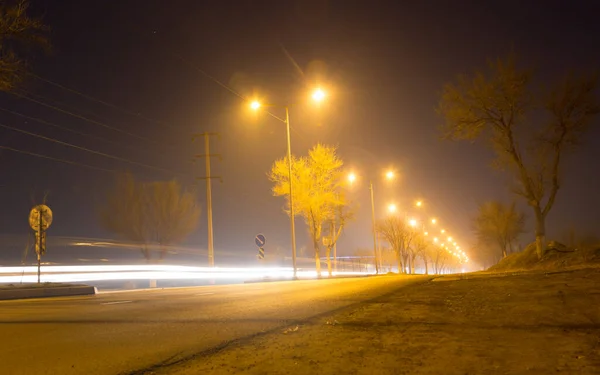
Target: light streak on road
83	273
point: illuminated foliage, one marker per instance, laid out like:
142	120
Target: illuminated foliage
501	108
317	194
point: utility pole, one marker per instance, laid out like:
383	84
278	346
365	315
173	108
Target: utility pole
374	229
207	155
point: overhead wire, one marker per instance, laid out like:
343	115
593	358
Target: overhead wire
91	98
58	159
87	119
89	150
42	121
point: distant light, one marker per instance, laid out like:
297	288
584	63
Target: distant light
449	239
419	203
435	239
443	231
412	222
389	175
255	105
426	233
392	208
433	221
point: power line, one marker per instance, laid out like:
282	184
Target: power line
88	150
89	97
59	160
60	127
87	119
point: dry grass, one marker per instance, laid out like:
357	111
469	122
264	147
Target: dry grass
585	256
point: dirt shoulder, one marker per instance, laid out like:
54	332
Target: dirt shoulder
524	324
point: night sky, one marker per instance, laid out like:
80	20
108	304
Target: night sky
383	63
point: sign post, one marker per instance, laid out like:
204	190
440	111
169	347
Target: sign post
260	241
40	218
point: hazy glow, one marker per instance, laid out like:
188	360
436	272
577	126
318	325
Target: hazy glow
435	239
318	95
443	231
392	208
433	221
389	175
351	177
255	105
419	203
412	222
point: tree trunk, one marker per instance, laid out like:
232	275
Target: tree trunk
328	254
399	259
317	260
426	266
540	232
503	252
412	264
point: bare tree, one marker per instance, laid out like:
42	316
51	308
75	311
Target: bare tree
499	224
420	248
317	186
17	32
175	213
399	235
126	212
440	259
500	107
147	213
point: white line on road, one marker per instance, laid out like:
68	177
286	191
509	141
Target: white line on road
203	294
114	302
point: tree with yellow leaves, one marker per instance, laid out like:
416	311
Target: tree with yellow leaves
317	188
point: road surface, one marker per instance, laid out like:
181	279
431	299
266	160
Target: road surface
131	332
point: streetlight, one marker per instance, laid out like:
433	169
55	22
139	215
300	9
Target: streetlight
433	221
351	177
418	203
389	175
412	223
318	96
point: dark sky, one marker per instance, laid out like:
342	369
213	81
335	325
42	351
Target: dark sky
383	62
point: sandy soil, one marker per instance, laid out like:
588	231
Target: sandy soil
525	324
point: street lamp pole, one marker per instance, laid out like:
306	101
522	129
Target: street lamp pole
292	217
374	228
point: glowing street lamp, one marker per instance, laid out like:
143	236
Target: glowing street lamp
318	96
412	223
351	177
392	208
435	239
419	203
433	221
443	231
389	175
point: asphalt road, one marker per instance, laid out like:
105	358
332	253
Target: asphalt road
130	332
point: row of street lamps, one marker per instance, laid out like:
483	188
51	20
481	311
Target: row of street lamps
318	95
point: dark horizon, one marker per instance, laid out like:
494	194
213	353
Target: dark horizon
384	63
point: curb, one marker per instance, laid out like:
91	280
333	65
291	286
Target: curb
74	290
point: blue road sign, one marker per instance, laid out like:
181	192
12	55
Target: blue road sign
260	240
